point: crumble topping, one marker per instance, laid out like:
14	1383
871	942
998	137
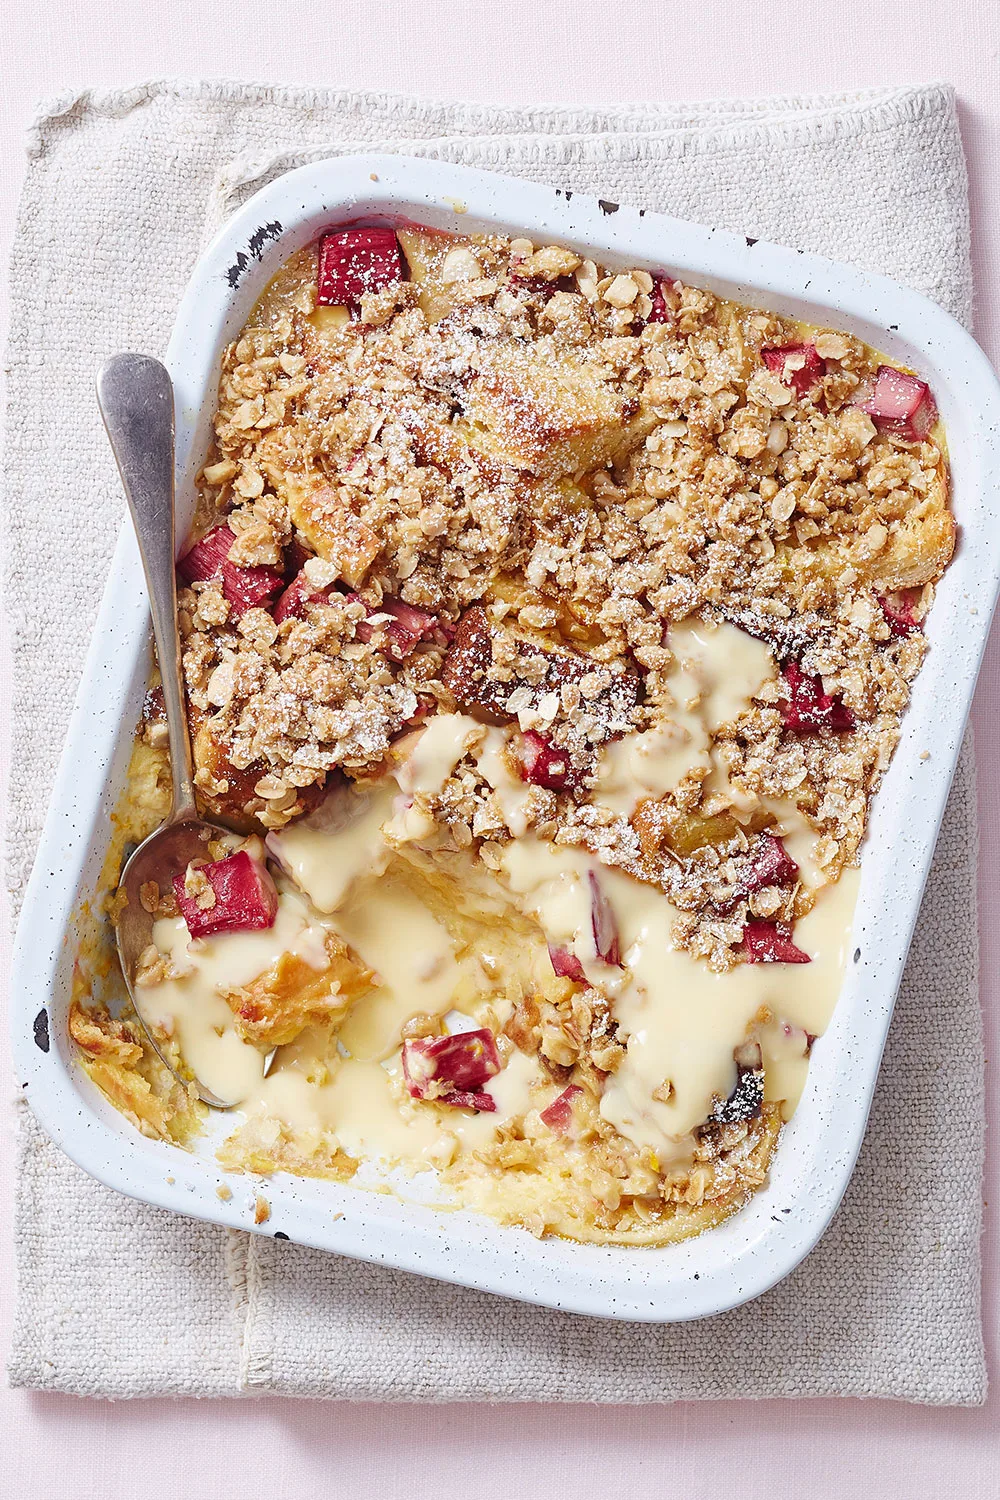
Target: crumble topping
520	444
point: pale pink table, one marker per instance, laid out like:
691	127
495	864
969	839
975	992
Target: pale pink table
567	51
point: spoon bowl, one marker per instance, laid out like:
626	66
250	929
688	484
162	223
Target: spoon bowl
167	852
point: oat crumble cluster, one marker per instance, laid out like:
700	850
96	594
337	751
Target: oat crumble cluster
482	477
511	425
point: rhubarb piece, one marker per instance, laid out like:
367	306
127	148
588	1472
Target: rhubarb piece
899	616
544	764
434	1066
245	588
771	943
558	1116
401	632
243	897
478	1100
249	588
206	557
475	681
809	707
661	311
900	403
604	924
797	365
770	864
292	604
414	621
355	261
566	964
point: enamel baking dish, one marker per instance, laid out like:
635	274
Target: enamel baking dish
766	1240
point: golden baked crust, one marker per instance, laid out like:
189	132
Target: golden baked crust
277	1006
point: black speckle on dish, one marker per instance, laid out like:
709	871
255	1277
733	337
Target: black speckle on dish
606	206
697	1275
41	1030
857	954
237	268
642	213
260	237
279	1234
751	241
894	327
254	250
800	252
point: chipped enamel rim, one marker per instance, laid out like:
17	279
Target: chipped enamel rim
761	1244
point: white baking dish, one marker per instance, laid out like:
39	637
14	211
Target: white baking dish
760	1245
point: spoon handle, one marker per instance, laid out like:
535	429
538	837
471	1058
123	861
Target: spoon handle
137	403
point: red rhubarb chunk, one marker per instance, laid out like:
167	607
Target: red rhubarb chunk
566	964
558	1116
249	588
245	897
897	402
604	924
544	764
244	588
416	621
661	311
355	261
770	864
899	616
434	1066
771	943
481	1102
206	557
809	707
399	626
797	365
292	603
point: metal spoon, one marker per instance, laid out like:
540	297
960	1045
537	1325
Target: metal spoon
137	403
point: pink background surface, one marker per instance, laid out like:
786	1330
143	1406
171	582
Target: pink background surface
578	52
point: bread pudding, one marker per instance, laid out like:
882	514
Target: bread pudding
547	629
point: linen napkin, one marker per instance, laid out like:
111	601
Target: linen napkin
112	216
